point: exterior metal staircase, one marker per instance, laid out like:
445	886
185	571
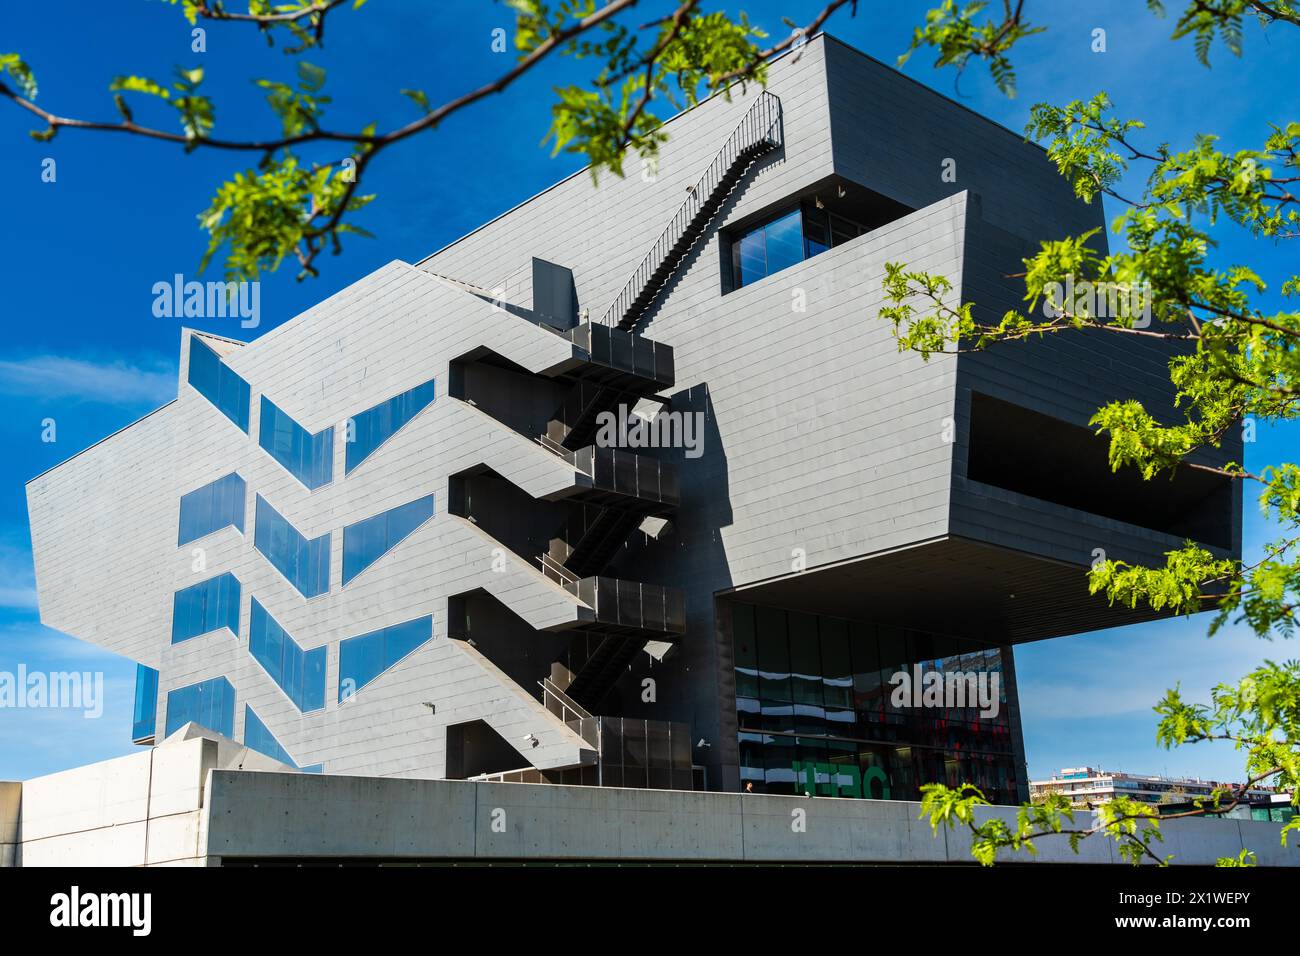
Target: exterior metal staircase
759	132
618	366
611	365
574	424
599	539
603	668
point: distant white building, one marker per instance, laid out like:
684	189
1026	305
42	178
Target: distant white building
1089	787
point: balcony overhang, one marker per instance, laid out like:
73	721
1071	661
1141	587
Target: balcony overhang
954	586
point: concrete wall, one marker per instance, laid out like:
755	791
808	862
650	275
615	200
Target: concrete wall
11	798
145	808
287	816
201	801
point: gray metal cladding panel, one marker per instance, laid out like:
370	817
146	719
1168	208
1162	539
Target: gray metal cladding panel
894	135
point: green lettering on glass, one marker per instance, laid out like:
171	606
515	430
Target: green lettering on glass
858	783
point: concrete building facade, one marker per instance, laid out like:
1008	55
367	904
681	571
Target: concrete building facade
396	536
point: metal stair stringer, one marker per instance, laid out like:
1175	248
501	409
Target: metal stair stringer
758	132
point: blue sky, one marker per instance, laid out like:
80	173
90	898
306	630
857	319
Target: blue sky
81	255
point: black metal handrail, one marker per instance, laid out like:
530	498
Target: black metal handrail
761	126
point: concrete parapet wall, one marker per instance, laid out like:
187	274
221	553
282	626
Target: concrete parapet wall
289	815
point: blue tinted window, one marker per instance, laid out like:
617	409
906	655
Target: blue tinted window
205	607
751	257
308	457
259	738
784	242
145	723
209	704
816	232
212	507
374	426
216	382
363	658
304	562
300	674
367	541
778	244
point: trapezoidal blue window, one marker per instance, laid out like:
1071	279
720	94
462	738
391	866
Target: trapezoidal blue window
308	457
212	507
300	674
371	428
365	657
209	703
258	737
216	382
367	541
145	723
205	607
304	562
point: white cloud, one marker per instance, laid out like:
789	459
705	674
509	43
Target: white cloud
112	382
17	581
19	598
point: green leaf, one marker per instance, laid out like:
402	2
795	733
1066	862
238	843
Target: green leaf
139	84
14	66
420	98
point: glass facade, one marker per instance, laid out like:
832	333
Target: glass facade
786	240
308	457
363	658
818	711
300	674
367	541
210	704
374	426
145	722
215	381
212	507
304	562
259	738
205	607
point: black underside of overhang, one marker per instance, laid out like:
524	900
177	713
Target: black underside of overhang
953	586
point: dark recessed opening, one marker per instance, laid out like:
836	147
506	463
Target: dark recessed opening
1043	457
474	748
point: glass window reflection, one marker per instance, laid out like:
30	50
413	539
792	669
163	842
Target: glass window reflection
819	708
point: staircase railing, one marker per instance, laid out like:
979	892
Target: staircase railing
558	573
577	717
761	125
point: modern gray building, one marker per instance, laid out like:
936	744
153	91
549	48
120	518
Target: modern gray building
396	536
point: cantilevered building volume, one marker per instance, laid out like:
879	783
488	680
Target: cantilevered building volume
390	537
